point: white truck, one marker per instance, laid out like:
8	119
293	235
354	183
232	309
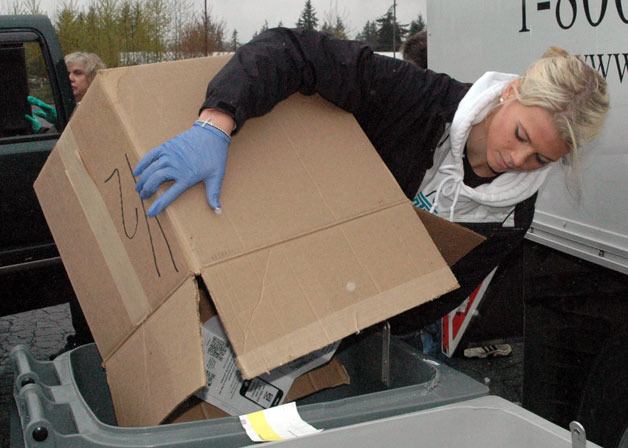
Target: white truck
575	262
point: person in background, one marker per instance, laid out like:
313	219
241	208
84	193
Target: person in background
414	49
82	68
473	154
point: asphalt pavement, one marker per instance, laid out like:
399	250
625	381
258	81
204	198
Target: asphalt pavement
44	332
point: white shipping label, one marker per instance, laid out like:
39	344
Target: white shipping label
228	391
280	423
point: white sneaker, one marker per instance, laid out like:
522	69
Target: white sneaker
488	350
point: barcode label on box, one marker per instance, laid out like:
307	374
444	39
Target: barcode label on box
227	390
217	348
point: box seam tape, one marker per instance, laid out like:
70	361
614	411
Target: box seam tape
125	278
99	220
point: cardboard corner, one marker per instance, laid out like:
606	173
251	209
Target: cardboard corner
452	240
332	374
161	364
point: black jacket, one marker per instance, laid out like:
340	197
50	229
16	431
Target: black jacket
402	109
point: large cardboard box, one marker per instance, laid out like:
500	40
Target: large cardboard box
316	240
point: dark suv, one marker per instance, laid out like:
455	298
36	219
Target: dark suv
31	63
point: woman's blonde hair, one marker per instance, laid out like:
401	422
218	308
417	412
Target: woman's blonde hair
573	92
90	61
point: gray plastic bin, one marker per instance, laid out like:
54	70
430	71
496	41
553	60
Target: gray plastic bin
486	422
66	402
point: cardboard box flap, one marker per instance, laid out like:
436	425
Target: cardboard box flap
304	167
161	364
92	281
453	240
329	375
305	293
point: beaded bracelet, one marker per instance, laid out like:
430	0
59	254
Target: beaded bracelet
209	122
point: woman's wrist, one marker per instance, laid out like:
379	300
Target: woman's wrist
218	119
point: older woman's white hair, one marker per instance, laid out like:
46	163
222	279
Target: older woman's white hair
90	62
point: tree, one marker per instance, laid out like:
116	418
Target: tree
90	30
125	32
234	44
158	26
262	29
193	38
180	16
27	7
337	30
108	44
389	30
416	26
333	23
368	35
307	20
69	27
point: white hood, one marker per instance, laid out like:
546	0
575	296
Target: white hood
443	188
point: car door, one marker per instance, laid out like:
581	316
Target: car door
31	65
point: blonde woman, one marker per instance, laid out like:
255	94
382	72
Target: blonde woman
474	154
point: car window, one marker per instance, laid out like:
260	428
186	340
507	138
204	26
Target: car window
27	107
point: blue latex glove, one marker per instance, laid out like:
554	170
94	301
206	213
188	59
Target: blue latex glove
45	111
198	154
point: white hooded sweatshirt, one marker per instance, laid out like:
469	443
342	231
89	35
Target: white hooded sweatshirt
443	191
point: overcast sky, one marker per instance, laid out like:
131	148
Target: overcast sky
247	16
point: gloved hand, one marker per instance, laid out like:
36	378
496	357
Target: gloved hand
45	111
198	154
35	124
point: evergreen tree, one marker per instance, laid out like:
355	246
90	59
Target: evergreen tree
307	20
107	46
416	26
388	29
125	28
159	18
333	22
91	31
234	44
69	28
338	29
368	35
262	29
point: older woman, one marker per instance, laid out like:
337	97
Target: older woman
82	68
